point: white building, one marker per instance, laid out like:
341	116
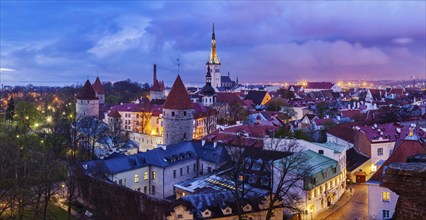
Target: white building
154	172
382	201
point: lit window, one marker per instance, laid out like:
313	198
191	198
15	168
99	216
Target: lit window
385	196
154	174
385	214
136	178
380	151
145	176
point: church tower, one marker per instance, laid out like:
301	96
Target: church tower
178	114
214	63
207	92
87	102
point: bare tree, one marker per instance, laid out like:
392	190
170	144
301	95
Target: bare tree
289	174
210	121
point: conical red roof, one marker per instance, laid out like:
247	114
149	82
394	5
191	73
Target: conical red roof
156	86
87	92
97	86
114	114
178	97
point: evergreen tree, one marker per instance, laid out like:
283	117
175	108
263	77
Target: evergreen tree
10	111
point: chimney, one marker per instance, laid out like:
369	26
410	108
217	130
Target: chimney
155	73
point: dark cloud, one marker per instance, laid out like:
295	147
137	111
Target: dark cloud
282	41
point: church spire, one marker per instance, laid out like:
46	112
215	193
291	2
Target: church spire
213	55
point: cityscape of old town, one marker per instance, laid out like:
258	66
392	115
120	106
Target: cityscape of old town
253	110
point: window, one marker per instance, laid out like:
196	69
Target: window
138	189
380	151
145	176
173	113
180	216
154	174
181	171
184	113
385	196
321	151
385	214
174	173
153	190
145	189
124	181
187	169
120	181
136	178
195	167
209	169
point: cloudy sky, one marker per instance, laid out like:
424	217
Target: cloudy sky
58	43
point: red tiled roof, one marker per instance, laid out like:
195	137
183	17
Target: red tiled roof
158	86
228	97
203	111
387	132
178	97
97	86
242	135
320	121
343	131
397	91
350	113
114	114
319	85
406	149
87	92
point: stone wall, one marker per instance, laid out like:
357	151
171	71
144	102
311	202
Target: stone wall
118	202
408	181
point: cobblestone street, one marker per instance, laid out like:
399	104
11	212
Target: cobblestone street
350	208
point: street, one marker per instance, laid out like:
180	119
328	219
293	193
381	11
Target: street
356	208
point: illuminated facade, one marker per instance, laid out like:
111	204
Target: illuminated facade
214	64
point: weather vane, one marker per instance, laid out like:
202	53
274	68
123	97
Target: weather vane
178	63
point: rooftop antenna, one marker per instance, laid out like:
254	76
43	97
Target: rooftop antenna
178	63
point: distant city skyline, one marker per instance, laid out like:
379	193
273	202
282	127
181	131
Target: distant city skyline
64	43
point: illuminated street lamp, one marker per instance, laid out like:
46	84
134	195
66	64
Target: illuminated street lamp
49	119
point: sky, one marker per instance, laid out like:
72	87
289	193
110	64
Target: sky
67	42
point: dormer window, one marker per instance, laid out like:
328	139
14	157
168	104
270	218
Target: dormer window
247	208
227	211
206	213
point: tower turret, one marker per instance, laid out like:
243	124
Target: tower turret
157	91
99	90
178	116
87	102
